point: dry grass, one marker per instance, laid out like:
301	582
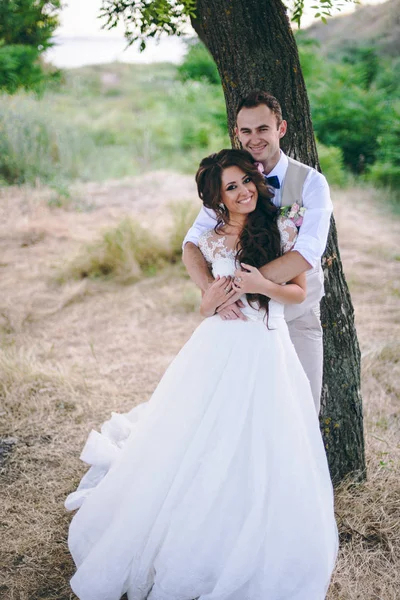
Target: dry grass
128	252
369	514
71	354
183	215
125	253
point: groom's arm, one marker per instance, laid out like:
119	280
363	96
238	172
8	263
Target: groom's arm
285	268
311	242
196	266
192	257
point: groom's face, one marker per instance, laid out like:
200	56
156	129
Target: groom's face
259	133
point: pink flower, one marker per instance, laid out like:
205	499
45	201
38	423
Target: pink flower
259	167
298	222
294	210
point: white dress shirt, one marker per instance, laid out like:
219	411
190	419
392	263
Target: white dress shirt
314	230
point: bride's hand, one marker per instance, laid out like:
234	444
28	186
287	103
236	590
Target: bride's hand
249	280
218	292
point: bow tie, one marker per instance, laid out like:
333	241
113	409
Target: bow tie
274	181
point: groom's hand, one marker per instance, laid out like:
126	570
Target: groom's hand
231	308
216	293
231	313
235	299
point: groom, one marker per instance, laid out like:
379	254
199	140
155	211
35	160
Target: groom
259	127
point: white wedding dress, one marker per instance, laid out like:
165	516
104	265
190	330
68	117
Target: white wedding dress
218	487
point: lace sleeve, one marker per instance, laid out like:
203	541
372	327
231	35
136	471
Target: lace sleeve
205	245
212	246
220	257
288	231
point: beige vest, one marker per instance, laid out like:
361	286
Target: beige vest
292	191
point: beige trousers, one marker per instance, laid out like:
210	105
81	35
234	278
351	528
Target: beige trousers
306	334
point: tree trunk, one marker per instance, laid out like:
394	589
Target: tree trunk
253	46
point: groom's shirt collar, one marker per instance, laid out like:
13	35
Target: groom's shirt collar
280	168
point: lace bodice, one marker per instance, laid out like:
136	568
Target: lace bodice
222	259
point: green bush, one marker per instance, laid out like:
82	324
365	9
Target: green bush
350	118
26	29
388	77
313	65
199	115
19	67
365	63
199	65
331	161
386	170
353	97
385	174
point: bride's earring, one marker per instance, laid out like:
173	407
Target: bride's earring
222	207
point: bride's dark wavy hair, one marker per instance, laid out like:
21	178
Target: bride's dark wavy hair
259	241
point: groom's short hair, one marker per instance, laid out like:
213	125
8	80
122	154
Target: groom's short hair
257	97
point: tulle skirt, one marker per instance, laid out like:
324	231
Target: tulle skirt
217	488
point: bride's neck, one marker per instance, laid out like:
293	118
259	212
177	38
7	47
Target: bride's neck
234	226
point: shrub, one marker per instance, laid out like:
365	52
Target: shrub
129	252
126	253
26	29
19	68
350	118
386	171
198	65
385	174
365	62
331	161
202	122
313	64
351	99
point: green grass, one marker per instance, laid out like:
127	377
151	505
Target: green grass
118	120
35	144
108	122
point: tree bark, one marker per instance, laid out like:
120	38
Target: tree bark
253	46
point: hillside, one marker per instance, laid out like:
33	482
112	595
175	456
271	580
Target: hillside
379	24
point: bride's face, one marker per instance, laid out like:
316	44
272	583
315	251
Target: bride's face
238	192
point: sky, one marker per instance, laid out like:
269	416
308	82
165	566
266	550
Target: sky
79	18
80	39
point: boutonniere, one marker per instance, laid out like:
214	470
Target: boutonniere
294	213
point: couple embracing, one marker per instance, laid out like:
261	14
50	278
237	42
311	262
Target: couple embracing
218	488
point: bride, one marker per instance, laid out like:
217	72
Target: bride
218	487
